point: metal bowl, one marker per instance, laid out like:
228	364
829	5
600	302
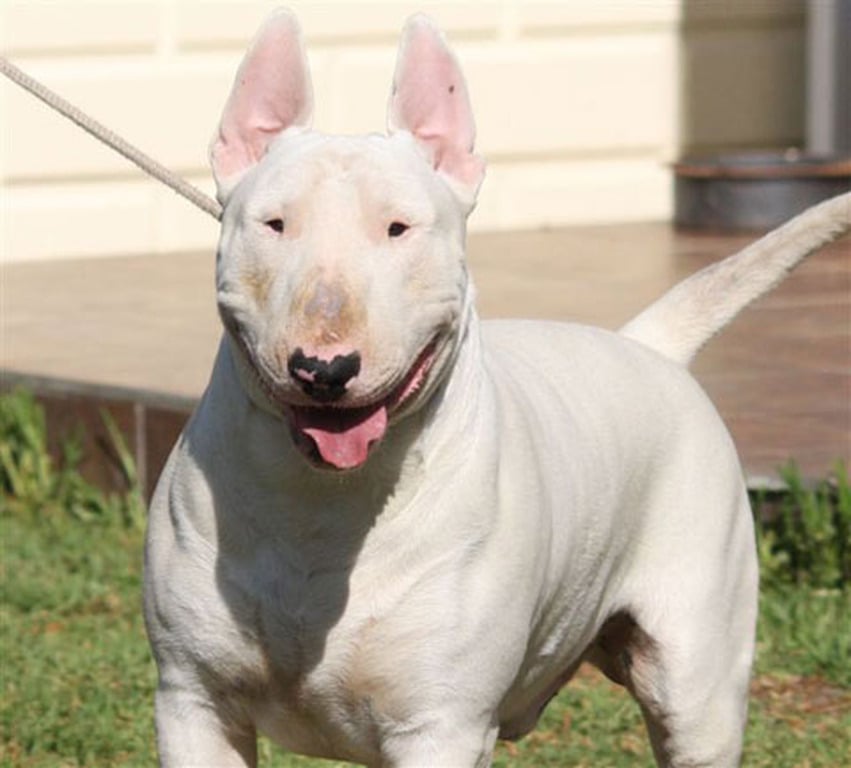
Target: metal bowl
754	191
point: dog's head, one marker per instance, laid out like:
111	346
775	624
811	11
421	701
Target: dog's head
340	277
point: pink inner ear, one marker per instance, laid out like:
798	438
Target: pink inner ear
430	100
271	93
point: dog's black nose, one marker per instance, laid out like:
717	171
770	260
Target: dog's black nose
323	380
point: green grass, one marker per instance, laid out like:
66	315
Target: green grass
77	678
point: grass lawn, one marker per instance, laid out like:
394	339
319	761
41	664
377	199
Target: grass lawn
77	678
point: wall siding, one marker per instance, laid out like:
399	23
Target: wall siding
580	105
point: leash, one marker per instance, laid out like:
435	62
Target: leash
112	140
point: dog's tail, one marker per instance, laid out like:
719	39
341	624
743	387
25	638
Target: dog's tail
680	322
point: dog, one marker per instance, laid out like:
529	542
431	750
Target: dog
391	532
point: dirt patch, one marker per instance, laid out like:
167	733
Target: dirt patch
801	701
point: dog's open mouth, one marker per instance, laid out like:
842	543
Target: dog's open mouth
340	437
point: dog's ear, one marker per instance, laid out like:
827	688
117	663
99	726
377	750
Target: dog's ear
429	99
271	92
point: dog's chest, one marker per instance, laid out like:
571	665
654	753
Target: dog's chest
304	651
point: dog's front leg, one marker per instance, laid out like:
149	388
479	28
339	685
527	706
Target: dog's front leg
191	733
456	746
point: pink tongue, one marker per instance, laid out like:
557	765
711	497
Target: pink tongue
342	436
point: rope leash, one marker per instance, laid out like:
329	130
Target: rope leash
111	139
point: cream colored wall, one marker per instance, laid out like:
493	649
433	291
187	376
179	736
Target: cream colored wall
578	104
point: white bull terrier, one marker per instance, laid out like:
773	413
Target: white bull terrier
391	532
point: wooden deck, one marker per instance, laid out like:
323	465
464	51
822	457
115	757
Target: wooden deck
144	331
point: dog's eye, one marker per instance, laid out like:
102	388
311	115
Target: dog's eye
397	229
276	225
